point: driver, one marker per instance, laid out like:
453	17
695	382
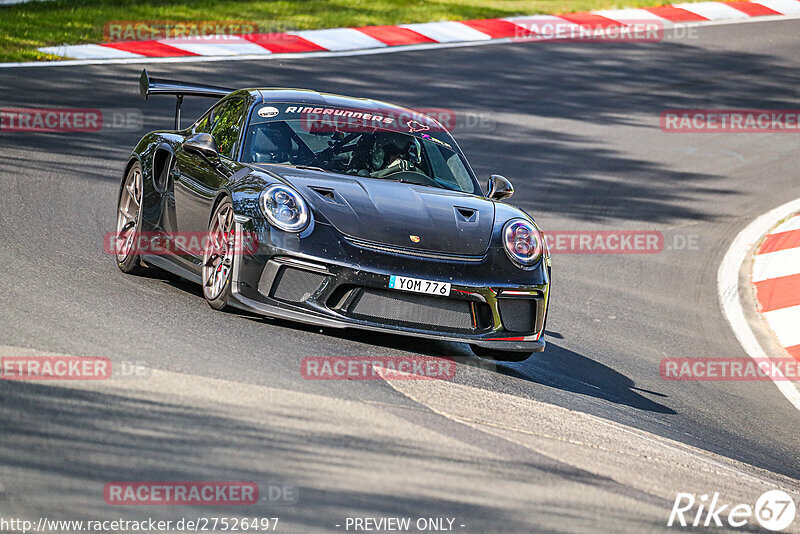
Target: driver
271	142
282	140
391	153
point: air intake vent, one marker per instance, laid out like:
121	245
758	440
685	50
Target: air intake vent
327	194
521	314
411	309
294	285
466	214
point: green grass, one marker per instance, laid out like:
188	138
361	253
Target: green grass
25	27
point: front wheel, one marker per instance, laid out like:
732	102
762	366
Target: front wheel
500	355
129	220
218	256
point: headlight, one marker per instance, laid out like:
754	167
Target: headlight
522	241
546	241
284	208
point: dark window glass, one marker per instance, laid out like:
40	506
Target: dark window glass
368	152
224	122
203	124
227	123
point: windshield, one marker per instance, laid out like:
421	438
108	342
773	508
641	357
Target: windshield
367	151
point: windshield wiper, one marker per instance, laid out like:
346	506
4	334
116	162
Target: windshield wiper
311	168
434	183
308	167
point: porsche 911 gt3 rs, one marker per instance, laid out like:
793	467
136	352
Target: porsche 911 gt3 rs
359	214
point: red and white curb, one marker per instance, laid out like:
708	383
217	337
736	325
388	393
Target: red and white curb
376	38
776	277
773	262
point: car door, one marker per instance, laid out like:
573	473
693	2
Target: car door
198	180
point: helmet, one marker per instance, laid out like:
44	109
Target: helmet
388	144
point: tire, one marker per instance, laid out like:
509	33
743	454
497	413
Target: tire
501	355
129	221
218	256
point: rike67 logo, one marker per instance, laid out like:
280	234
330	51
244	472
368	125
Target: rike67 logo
774	510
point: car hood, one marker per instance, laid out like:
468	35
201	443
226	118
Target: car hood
398	214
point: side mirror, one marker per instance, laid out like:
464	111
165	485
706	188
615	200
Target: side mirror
203	144
499	187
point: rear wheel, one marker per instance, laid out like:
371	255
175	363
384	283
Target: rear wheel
218	256
129	220
500	355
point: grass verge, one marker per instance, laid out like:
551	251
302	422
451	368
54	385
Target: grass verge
26	27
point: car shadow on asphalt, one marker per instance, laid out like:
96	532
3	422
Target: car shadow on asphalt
556	367
561	368
379	339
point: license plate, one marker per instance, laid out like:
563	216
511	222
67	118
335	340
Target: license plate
416	285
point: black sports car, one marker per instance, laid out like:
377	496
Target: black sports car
336	211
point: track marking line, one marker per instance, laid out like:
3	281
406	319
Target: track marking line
395	35
150	49
447	32
776	264
780	241
713	10
778	293
728	289
788	225
229	47
632	15
91	51
785	322
776	277
339	39
787	7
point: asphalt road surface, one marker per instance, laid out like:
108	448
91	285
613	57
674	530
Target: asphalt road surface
583	434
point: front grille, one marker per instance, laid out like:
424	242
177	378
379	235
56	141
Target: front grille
519	315
410	309
414	252
295	285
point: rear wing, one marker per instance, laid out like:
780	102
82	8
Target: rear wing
157	86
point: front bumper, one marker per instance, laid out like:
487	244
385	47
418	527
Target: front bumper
332	282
